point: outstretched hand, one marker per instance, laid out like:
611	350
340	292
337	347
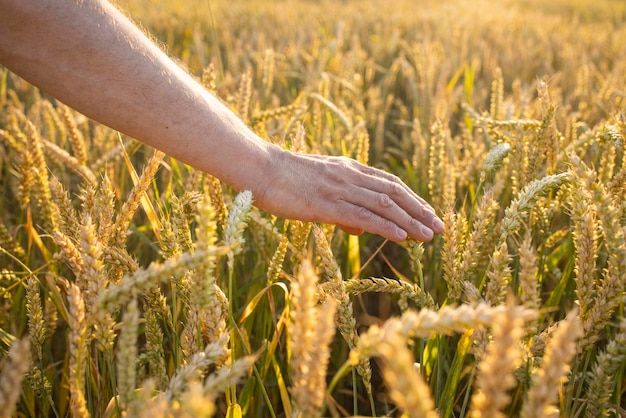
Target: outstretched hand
151	98
341	191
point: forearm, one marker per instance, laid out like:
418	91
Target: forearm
88	55
103	66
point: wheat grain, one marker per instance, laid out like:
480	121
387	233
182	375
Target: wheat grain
341	115
214	319
237	222
12	373
276	264
528	281
498	275
69	253
36	323
406	387
516	212
299	234
119	259
126	354
497	95
310	332
608	292
494	160
212	353
9	243
269	62
50	316
119	294
71	162
546	380
154	353
76	138
447	320
481	239
131	204
215	191
601	380
451	254
586	236
78	350
16	144
41	187
199	288
388	285
92	283
201	285
179	220
438	165
208	78
228	376
244	96
495	371
40	384
363	146
68	215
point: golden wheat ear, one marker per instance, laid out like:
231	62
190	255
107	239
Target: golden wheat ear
311	329
12	373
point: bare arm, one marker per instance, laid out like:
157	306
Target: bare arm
88	55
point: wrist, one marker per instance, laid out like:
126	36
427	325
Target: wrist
262	174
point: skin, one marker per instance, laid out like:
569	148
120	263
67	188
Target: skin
91	57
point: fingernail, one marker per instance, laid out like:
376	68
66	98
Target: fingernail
438	224
427	232
401	234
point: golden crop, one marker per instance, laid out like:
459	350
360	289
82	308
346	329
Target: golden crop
133	285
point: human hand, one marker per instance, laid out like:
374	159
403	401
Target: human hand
341	191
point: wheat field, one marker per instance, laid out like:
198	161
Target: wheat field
133	285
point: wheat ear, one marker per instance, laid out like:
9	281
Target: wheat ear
546	381
77	350
601	380
310	333
495	371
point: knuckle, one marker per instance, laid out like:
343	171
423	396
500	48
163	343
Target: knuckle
393	188
420	212
339	172
364	214
383	200
413	223
375	222
345	163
